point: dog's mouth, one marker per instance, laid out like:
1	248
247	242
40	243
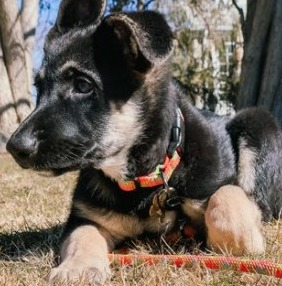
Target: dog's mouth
48	164
54	171
48	170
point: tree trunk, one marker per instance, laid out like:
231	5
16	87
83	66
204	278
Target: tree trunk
261	77
254	53
14	56
251	8
8	116
29	17
270	96
15	64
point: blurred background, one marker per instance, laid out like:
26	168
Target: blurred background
227	55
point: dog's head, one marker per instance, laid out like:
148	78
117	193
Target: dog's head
97	74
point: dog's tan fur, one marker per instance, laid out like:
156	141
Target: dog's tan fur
116	227
84	251
195	210
233	222
246	165
84	256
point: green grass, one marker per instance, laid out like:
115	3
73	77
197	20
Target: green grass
33	210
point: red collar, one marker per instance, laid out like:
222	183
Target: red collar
154	179
163	172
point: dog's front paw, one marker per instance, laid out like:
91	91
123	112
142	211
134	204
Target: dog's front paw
96	272
233	223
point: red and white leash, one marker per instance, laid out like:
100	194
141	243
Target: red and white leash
264	267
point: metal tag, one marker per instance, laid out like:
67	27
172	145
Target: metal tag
158	203
164	199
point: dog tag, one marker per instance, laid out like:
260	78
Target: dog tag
158	203
164	199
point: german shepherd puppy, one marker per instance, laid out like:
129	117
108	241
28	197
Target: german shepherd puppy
107	106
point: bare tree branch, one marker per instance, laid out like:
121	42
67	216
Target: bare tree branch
147	4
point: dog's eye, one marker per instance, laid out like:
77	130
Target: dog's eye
82	85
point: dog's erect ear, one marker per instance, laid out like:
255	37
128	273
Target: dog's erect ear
143	32
79	13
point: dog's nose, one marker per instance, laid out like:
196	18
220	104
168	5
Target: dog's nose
22	149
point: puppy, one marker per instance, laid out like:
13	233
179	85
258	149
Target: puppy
107	105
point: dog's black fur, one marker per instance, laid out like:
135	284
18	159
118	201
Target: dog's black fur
111	76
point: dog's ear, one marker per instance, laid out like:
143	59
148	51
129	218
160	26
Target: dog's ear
145	34
79	13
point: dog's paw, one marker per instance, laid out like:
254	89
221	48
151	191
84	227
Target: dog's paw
233	223
73	271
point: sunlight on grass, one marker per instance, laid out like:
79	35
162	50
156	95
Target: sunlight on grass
33	211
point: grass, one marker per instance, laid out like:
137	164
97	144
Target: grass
33	210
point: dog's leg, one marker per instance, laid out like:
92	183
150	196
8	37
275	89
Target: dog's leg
257	144
84	257
233	222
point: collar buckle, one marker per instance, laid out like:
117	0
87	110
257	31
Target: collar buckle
176	134
172	200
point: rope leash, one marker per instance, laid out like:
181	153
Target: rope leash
264	267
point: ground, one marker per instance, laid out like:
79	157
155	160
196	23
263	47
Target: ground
33	211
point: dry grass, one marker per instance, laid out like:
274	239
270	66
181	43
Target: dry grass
33	209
